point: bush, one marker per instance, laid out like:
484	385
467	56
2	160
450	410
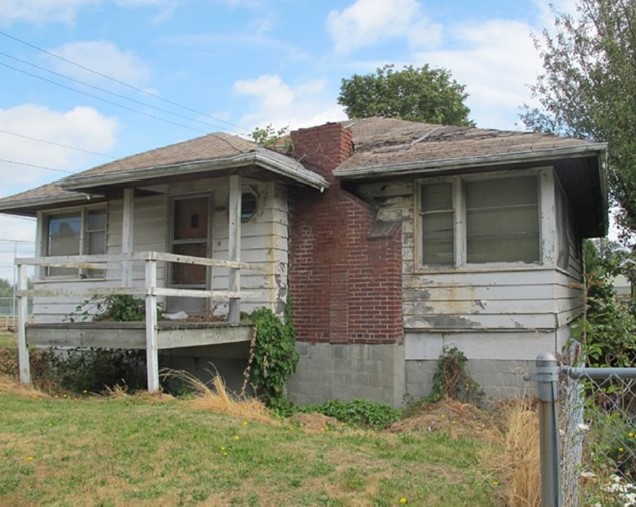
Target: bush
91	370
357	412
273	357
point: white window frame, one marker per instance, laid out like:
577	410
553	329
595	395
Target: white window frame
545	178
83	241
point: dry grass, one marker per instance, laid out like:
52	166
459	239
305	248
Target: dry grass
215	398
10	385
519	463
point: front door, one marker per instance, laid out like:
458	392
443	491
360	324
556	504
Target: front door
190	235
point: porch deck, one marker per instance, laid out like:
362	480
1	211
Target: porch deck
132	335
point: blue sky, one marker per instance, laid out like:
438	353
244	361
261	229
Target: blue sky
182	68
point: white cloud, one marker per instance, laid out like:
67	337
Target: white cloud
80	127
281	104
497	62
42	11
121	65
370	22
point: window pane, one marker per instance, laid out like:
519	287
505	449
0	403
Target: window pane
63	239
189	274
437	224
96	220
190	218
437	197
502	220
96	243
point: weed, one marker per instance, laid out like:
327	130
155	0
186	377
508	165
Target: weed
357	412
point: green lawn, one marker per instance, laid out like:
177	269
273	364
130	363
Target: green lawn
8	340
139	451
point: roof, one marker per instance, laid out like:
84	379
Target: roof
391	146
383	148
45	196
207	154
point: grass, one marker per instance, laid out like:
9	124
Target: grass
8	341
145	450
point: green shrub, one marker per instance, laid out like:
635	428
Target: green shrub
91	370
273	357
357	412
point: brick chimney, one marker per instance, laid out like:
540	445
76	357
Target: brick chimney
345	280
323	148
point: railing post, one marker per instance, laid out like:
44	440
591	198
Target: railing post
234	247
547	377
23	350
152	352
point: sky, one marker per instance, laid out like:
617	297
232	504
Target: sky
84	82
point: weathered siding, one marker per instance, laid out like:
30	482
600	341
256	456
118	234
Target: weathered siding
263	242
514	299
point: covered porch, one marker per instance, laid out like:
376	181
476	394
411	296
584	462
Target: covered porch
153	334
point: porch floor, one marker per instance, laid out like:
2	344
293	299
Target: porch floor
132	335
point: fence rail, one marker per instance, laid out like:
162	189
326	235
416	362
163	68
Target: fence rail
150	290
587	423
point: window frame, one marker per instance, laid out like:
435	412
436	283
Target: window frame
459	224
84	242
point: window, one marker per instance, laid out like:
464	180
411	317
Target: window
190	233
248	206
478	221
78	232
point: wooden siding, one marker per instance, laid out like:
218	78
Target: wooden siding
500	298
264	243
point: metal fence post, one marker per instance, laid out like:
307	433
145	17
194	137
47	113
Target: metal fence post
547	377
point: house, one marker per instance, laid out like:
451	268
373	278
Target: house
393	239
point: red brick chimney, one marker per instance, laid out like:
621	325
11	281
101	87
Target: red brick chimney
323	148
345	280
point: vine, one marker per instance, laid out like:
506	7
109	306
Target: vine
273	357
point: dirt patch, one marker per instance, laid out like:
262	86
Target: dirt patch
314	422
459	420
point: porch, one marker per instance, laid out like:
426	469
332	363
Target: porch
152	334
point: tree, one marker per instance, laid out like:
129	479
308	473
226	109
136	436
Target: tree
588	88
424	94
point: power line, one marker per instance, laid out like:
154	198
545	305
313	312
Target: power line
127	85
56	144
17	241
103	90
102	99
37	166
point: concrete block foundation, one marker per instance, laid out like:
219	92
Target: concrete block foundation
348	371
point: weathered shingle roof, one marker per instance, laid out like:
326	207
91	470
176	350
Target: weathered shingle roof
388	143
208	153
208	147
46	195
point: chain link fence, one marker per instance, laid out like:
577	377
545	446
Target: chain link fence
588	434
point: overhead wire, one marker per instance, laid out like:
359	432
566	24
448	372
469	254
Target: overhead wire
8	132
122	106
26	164
122	83
109	92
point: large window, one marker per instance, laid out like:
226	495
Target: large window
478	221
78	232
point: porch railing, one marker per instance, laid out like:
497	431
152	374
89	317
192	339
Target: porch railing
149	291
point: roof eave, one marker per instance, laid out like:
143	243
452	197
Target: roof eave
289	168
28	207
443	165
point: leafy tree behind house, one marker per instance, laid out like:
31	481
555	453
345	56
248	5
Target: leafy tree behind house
417	94
588	88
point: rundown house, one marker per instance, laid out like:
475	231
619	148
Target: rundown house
392	238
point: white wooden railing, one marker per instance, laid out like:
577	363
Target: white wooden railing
150	291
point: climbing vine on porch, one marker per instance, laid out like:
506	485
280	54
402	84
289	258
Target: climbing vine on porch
273	357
